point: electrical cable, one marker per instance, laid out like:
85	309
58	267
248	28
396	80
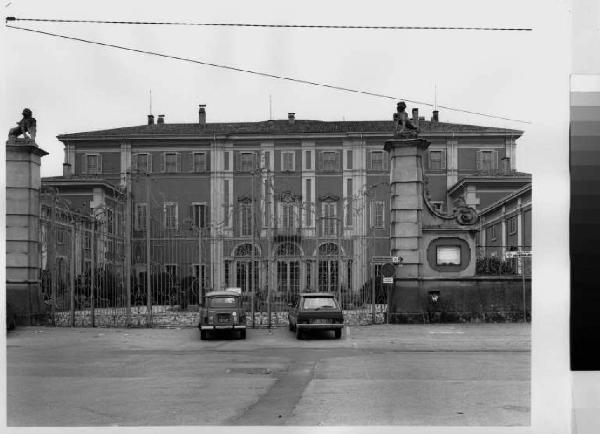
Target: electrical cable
293	26
263	74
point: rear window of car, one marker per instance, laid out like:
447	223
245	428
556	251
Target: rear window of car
222	302
319	303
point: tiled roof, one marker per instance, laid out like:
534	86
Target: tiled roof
280	127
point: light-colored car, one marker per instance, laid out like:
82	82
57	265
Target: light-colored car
222	311
316	311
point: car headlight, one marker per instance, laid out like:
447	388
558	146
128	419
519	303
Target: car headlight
234	315
211	318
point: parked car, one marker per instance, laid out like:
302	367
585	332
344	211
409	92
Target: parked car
222	311
316	311
11	317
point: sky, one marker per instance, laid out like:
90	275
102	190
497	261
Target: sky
75	87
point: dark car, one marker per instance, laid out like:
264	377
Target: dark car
222	311
316	311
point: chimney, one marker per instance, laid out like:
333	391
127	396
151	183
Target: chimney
150	119
67	170
291	118
161	119
202	114
436	116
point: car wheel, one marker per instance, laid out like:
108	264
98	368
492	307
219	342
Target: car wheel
338	333
298	333
243	334
202	334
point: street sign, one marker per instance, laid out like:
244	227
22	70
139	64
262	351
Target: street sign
385	259
388	270
518	254
388	280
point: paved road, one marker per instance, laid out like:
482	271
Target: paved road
377	375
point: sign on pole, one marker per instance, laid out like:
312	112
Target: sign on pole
388	280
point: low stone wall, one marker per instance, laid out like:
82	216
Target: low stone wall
169	317
475	299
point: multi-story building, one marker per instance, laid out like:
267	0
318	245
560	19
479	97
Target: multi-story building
289	204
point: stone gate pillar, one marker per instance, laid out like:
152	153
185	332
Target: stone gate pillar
23	243
406	182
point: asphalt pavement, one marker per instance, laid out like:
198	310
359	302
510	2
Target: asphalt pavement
458	375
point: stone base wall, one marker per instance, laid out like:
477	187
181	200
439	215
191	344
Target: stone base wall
476	299
188	318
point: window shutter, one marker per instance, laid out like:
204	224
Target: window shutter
236	161
386	161
319	160
369	160
84	164
178	161
99	169
164	162
495	160
338	162
134	162
149	156
479	156
443	158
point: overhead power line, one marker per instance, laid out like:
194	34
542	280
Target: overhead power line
293	26
258	73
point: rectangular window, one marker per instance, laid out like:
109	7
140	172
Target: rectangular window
308	159
171	269
349	202
199	162
448	255
309	210
287	215
512	225
60	236
246	162
376	160
170	162
226	205
435	160
329	161
245	219
377	214
487	161
140	217
200	215
142	163
170	215
110	222
226	162
93	163
349	155
329	218
493	233
87	240
287	161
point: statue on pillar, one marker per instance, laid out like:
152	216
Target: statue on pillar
26	127
402	124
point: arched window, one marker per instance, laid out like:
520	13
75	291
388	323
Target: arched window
288	249
245	250
328	249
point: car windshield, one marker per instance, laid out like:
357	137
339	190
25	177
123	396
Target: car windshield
222	302
319	303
